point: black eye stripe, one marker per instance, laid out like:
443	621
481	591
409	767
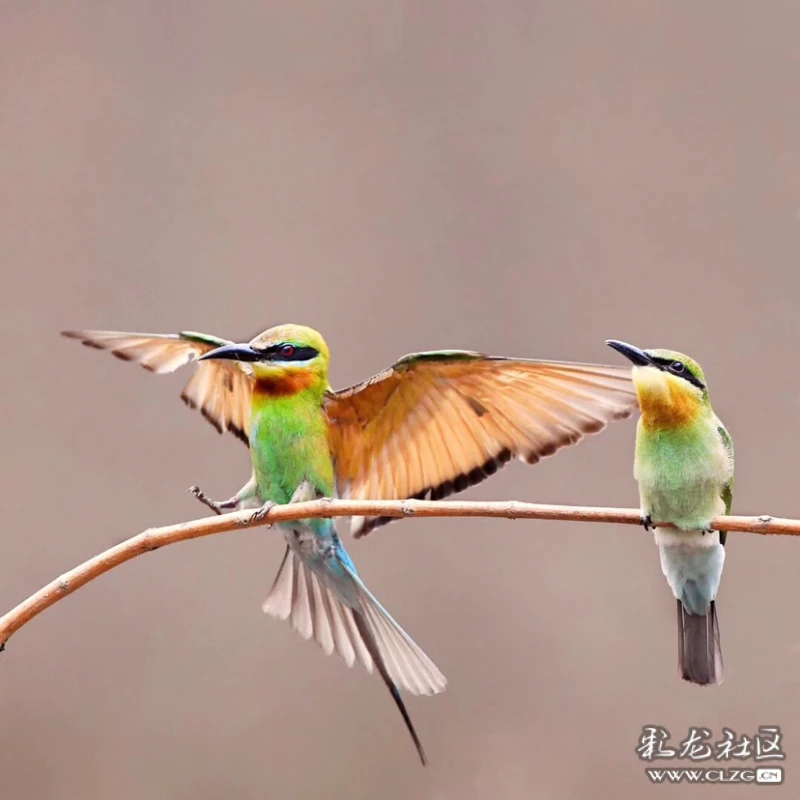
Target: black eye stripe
275	353
665	364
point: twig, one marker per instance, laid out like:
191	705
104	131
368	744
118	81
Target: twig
154	538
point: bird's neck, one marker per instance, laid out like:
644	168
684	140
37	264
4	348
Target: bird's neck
670	406
289	383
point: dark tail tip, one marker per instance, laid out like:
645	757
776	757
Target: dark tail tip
409	724
699	651
369	641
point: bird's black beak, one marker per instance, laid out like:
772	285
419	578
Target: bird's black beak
634	354
234	352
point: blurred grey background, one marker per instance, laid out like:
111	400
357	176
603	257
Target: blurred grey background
521	178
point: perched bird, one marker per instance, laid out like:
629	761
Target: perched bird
430	425
684	467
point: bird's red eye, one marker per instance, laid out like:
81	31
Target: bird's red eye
287	350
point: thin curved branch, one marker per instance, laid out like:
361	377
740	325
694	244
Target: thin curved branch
154	538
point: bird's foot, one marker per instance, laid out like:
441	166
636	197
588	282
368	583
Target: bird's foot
260	513
647	522
217	508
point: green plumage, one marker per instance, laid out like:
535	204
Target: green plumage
289	444
685	474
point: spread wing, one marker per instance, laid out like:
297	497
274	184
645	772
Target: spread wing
221	389
436	423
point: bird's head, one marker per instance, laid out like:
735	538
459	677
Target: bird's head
285	359
671	386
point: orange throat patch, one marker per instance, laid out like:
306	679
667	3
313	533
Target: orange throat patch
667	402
284	384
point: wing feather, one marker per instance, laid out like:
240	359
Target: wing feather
436	423
727	489
220	390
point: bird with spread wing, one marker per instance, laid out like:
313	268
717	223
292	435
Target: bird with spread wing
430	425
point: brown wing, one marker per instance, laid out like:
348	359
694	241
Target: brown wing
221	390
436	423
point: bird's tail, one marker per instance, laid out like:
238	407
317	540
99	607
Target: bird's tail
699	651
359	631
368	637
